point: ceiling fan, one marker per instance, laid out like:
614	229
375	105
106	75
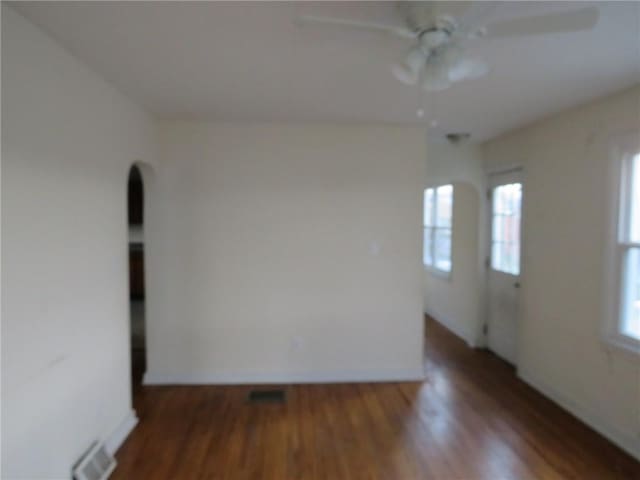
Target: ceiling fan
439	31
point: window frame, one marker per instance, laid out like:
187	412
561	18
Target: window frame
434	227
623	152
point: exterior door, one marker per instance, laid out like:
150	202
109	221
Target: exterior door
504	263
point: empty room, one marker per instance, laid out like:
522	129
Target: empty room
320	240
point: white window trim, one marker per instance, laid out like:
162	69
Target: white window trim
622	150
432	269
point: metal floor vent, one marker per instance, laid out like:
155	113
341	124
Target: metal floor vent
267	396
96	464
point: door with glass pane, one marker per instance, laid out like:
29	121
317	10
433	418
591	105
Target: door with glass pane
504	263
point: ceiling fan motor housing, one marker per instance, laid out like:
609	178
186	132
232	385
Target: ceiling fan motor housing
433	39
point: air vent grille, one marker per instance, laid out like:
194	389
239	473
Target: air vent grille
96	464
267	396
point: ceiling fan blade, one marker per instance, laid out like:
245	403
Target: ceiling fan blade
476	13
571	21
467	69
343	22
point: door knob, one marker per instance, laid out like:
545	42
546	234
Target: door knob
516	285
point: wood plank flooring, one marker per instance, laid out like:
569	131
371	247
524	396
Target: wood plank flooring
472	419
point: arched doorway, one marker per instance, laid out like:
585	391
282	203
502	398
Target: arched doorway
137	283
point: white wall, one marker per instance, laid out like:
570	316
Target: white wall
448	163
293	254
454	300
68	140
458	301
566	222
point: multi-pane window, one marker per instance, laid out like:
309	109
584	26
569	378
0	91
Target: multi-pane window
438	203
505	224
629	248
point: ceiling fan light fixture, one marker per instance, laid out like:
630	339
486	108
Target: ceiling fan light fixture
433	39
435	78
404	74
452	56
457	138
415	59
408	72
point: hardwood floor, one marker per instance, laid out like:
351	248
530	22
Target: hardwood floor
471	419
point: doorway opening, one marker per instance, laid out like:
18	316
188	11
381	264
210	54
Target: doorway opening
137	304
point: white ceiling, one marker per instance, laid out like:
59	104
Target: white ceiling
249	62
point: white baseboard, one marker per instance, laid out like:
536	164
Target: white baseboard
239	378
117	437
453	327
625	440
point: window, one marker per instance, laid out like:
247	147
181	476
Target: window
505	226
438	203
629	248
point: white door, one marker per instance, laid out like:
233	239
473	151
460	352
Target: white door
504	263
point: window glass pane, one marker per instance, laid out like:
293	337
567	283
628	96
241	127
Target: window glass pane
496	256
498	228
634	198
631	294
442	249
428	247
438	203
443	205
498	202
513	229
505	229
428	207
506	199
